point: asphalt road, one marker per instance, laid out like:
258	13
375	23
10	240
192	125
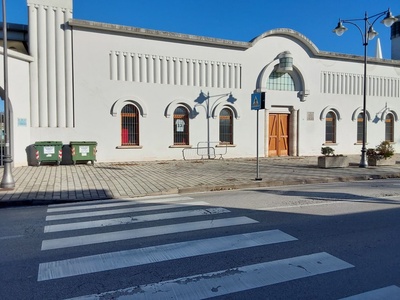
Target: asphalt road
327	241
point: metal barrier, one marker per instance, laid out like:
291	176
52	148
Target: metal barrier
203	151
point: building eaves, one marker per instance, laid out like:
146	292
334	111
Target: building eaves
162	35
358	58
215	42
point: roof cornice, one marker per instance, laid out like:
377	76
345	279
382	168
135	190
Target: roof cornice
215	42
157	34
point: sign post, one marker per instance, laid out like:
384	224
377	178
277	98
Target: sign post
257	103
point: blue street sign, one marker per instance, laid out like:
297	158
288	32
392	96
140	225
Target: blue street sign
258	101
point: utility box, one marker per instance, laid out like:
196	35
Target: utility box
48	151
83	151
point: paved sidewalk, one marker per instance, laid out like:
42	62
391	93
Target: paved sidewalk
56	184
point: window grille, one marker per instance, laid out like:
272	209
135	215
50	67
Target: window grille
330	128
226	126
181	126
360	128
389	128
129	126
280	81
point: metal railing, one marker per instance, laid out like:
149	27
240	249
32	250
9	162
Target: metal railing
205	150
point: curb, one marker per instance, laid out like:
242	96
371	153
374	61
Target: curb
201	189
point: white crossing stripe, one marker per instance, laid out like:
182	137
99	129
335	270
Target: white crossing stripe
232	280
143	232
136	219
115	204
388	293
148	255
120	211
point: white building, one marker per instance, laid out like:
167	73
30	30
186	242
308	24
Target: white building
143	94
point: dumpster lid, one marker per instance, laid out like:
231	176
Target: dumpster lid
48	143
83	142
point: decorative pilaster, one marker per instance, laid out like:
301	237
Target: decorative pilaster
33	49
42	66
51	68
293	139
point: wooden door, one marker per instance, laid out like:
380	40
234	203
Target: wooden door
278	144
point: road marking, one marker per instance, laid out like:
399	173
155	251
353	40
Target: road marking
388	293
120	211
143	232
148	255
9	237
115	204
232	280
135	219
303	205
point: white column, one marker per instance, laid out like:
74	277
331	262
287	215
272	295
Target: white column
33	49
42	66
120	66
143	73
225	67
214	74
170	63
293	140
128	67
183	72
164	73
68	71
266	132
189	72
196	72
51	68
220	75
231	76
208	73
113	66
201	73
177	71
156	69
60	69
237	76
136	68
150	68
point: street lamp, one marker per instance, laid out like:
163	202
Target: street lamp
7	181
206	98
368	34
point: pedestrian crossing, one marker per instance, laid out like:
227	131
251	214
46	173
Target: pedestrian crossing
70	226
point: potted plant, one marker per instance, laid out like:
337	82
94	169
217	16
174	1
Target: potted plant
331	160
381	155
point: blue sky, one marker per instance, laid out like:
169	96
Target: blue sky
237	19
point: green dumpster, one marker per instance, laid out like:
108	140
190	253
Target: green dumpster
83	151
48	151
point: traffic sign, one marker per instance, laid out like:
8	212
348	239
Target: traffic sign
258	101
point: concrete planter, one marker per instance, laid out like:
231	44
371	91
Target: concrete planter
372	161
333	162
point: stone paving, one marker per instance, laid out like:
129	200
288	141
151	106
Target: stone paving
54	184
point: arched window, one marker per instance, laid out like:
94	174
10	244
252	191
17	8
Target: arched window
181	126
280	81
226	126
330	127
129	125
360	128
389	128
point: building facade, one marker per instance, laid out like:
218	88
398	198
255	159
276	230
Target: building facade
153	95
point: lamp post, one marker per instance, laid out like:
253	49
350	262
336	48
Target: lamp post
200	100
7	181
367	34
